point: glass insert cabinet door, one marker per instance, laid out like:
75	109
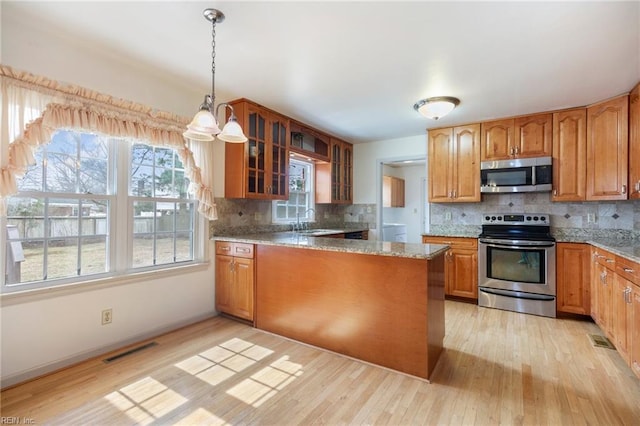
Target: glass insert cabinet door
279	156
256	133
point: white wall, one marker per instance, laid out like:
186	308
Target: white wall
41	333
366	158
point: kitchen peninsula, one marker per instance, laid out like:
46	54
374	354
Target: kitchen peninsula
380	302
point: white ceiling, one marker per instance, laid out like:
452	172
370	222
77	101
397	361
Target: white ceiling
355	69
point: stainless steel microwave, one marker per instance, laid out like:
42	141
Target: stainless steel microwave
517	175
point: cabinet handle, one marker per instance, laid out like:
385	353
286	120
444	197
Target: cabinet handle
627	292
555	192
242	249
624	189
511	151
454	194
628	270
231	266
638	186
609	260
517	148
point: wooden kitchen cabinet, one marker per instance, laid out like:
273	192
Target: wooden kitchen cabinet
461	265
622	315
334	180
235	279
520	137
573	278
634	143
392	191
569	155
533	136
454	164
259	168
603	280
497	140
607	150
634	354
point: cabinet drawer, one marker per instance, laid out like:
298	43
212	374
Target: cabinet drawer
628	269
234	249
454	242
606	259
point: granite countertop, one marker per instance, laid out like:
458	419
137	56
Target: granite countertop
629	249
380	248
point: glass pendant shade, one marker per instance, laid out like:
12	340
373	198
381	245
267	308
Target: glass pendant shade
203	127
232	132
436	108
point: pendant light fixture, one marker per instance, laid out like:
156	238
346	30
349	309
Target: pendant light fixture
437	107
204	126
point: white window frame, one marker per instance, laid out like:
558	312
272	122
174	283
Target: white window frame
120	227
306	214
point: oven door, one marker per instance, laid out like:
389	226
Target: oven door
517	265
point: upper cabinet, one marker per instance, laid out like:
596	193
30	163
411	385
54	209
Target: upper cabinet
497	140
454	164
634	143
309	142
258	168
392	191
521	137
569	155
334	180
607	149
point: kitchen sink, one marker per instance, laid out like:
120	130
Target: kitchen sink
318	232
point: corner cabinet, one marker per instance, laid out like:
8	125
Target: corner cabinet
607	150
461	265
392	191
634	143
235	278
454	164
334	180
569	155
573	278
258	168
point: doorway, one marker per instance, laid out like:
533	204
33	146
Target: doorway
404	222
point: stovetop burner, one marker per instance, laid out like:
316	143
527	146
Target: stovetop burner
521	226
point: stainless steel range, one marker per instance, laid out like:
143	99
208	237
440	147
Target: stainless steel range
517	264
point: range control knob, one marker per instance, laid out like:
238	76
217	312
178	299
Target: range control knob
542	218
487	217
528	218
493	218
535	218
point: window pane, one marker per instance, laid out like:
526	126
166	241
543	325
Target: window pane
142	154
95	217
164	248
94	255
62	258
165	217
143	219
32	268
141	183
184	246
142	250
93	176
63	217
32	180
27	214
164	157
61	173
184	216
64	142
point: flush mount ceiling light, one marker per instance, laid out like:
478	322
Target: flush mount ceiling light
437	107
204	126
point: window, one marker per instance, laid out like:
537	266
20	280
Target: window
301	195
95	206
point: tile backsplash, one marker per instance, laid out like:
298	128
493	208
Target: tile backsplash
581	218
248	216
619	219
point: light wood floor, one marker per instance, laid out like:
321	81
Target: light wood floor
498	367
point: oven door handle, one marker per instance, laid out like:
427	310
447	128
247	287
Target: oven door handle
516	244
516	294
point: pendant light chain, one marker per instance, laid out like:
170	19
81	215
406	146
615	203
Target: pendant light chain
213	64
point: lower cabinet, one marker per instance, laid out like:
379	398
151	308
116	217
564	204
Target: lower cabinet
616	281
461	265
573	278
235	279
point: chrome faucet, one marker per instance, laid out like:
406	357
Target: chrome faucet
297	226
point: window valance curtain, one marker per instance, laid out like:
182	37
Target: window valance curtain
33	108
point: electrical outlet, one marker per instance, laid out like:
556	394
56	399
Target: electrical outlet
447	216
591	218
107	316
257	216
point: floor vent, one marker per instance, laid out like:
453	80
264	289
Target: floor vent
129	352
600	341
